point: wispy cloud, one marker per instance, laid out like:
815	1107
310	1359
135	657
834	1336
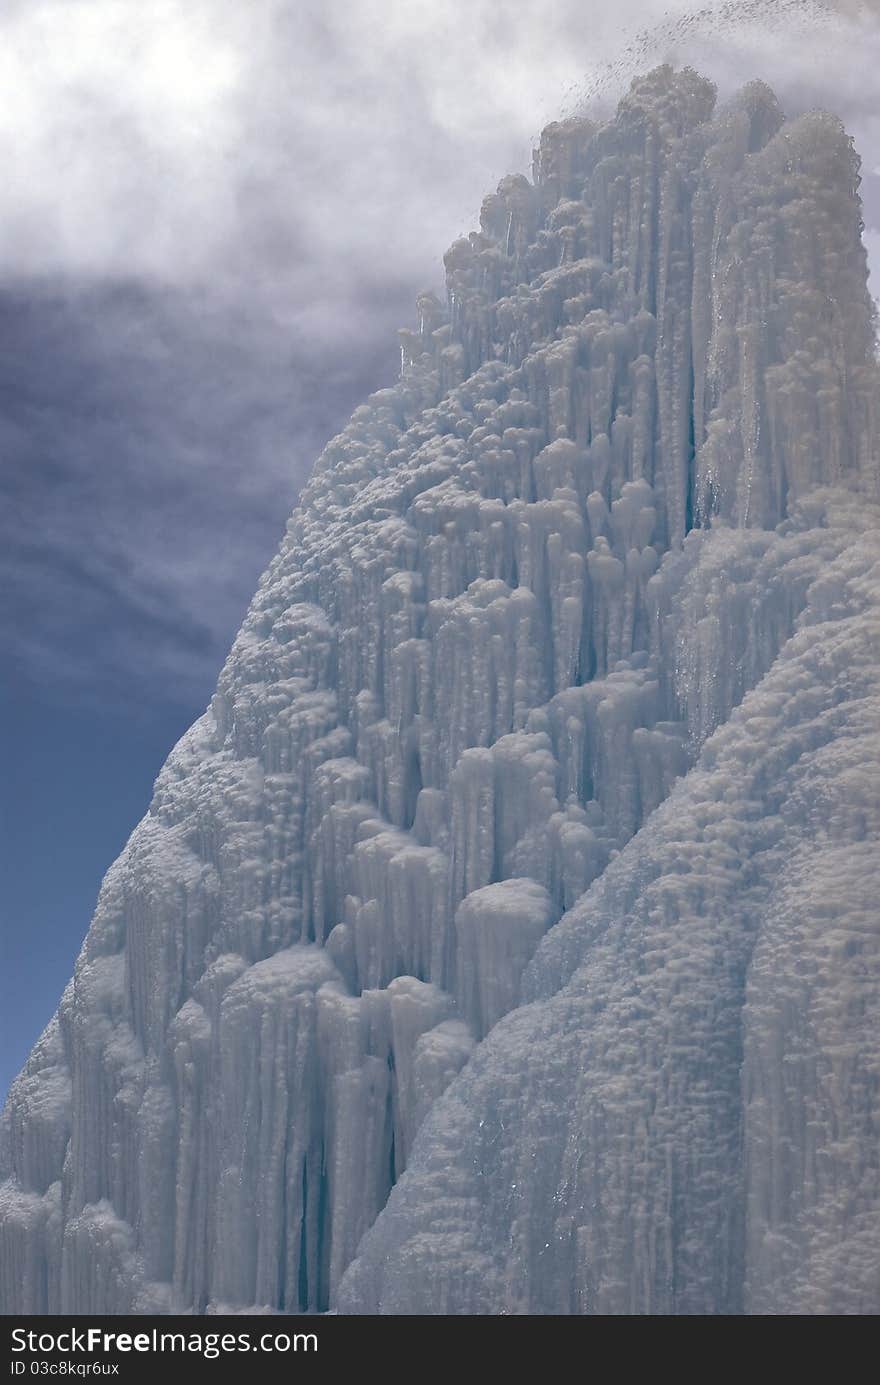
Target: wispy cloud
151	447
172	138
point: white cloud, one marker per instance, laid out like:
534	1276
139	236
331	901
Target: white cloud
182	138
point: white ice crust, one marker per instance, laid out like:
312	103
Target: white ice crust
524	866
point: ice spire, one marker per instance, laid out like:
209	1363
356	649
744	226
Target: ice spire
522	589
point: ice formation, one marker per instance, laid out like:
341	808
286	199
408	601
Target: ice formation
529	842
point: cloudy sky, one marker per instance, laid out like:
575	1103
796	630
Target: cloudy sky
213	216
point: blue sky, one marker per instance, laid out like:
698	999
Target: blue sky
215	216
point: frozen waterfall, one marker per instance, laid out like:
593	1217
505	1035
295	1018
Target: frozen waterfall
503	938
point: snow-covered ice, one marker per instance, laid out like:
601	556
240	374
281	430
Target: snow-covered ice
503	938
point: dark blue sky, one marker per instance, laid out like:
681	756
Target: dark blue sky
214	217
75	783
